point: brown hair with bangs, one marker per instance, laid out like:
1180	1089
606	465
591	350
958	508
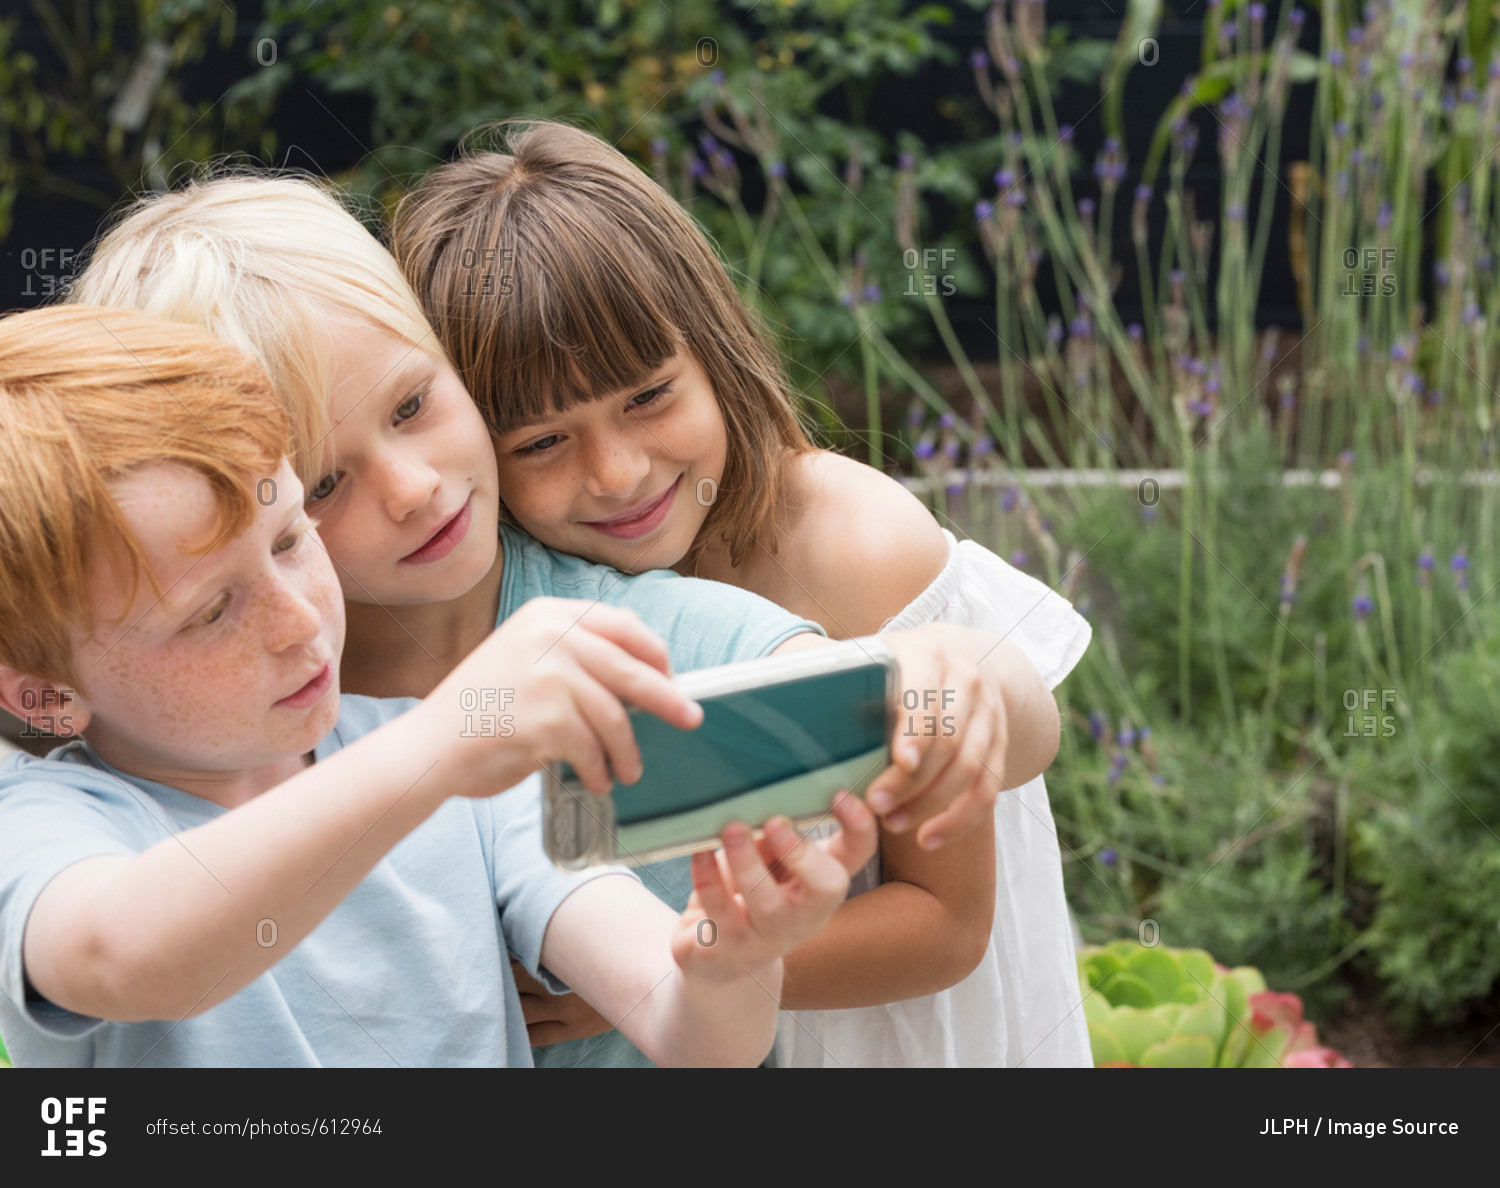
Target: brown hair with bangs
86	395
556	272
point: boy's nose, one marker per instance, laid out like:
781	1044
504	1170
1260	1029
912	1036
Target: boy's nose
294	616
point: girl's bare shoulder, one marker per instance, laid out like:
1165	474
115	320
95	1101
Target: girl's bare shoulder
865	544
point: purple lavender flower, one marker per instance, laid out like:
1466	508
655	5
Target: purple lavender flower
1201	408
947	421
1363	605
1383	216
1450	104
1086	208
1470	313
906	162
1495	68
1065	133
953	489
1148	514
1127	735
1108	856
925	449
776	168
724	159
1464	65
1288	589
1143	193
1297	17
1009	498
1018	558
1355	36
1212	387
1015	140
1178	276
1340	129
1054	332
1335	58
1468	95
1112	145
914	416
1116	766
1406	60
697	165
1289	400
1425	560
982	448
1133	332
1235	213
708	144
1377	98
846	300
1257	12
1004	178
870	294
1435	397
1015	197
1096	725
659	147
983	210
717	78
978	60
1440	272
1346	458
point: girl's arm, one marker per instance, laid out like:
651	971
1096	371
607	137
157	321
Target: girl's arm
925	928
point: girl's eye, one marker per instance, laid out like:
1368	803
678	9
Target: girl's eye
542	443
288	542
411	406
646	398
324	487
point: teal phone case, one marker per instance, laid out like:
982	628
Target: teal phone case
781	738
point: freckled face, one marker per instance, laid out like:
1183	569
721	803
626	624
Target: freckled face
236	665
409	512
627	480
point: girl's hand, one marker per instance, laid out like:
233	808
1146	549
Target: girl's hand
951	749
548	686
554	1018
754	901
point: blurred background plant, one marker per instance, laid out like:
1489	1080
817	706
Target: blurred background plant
1054	319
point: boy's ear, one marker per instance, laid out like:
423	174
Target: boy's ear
45	706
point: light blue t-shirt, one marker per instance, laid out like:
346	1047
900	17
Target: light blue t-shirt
410	969
704	624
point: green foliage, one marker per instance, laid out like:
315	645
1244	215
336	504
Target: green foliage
116	99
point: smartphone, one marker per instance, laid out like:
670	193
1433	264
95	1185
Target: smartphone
779	735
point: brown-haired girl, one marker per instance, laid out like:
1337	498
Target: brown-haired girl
640	420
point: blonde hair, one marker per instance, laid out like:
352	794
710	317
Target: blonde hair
557	272
86	395
259	261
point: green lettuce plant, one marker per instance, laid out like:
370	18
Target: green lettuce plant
1155	1007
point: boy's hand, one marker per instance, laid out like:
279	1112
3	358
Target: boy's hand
754	901
950	748
548	686
554	1018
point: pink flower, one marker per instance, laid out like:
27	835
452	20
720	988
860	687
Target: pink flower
1315	1058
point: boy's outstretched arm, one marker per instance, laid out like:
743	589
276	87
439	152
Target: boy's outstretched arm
704	988
176	929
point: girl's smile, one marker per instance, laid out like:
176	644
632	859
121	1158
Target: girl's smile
641	519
